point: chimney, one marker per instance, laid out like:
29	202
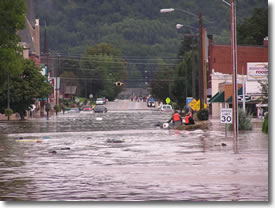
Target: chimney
266	41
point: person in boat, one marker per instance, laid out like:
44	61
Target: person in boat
189	118
176	118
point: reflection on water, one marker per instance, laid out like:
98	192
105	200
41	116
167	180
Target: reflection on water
125	156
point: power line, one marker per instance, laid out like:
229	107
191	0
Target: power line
111	62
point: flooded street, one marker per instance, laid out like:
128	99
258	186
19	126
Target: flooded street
125	156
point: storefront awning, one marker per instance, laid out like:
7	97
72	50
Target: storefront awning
240	92
217	98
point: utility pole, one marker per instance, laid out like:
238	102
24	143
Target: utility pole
193	70
8	90
243	91
234	74
201	83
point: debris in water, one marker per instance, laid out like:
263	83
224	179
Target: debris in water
65	148
115	140
53	152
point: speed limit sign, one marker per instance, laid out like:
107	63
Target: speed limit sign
226	115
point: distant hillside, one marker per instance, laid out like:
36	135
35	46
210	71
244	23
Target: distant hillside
148	40
135	26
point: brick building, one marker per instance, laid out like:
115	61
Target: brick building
220	68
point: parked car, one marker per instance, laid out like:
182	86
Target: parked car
100	109
99	101
87	108
73	110
151	102
166	108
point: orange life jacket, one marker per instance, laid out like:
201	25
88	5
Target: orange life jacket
176	117
187	119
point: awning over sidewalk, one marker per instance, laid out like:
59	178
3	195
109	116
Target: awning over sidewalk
240	92
217	98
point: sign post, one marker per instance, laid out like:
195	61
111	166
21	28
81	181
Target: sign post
226	117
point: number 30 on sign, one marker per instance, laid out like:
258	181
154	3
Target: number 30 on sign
226	115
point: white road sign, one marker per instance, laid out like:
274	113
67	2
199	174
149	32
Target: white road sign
226	115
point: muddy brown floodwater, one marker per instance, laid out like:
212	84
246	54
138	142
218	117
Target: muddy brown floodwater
125	157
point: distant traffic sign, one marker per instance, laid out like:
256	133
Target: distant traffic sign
167	100
226	115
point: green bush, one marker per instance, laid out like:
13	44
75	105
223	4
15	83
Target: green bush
8	112
203	114
265	124
244	121
48	107
56	108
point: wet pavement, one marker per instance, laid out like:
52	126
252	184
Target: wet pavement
125	157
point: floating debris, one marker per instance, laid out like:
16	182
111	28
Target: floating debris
98	118
65	148
29	140
53	152
115	140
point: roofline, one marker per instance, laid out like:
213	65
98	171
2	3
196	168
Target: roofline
242	46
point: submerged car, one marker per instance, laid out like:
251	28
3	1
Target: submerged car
74	110
151	102
100	109
99	101
87	108
166	108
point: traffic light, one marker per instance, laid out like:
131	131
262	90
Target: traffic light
119	83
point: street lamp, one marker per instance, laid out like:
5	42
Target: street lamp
201	80
234	68
234	74
179	26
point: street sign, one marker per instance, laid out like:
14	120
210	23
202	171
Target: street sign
91	96
167	100
188	100
226	115
196	106
257	71
192	104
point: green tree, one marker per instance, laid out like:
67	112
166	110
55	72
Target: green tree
12	20
182	86
254	29
161	82
102	67
24	89
264	90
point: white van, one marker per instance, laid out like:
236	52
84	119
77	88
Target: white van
166	108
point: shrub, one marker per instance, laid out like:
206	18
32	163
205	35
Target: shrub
202	114
48	107
56	108
265	124
244	121
8	112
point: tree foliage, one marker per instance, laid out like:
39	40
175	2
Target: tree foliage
24	89
12	19
162	80
254	29
264	90
100	69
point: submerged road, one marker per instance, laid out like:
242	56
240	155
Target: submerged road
127	105
125	157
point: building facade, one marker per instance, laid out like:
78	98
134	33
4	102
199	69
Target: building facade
220	70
